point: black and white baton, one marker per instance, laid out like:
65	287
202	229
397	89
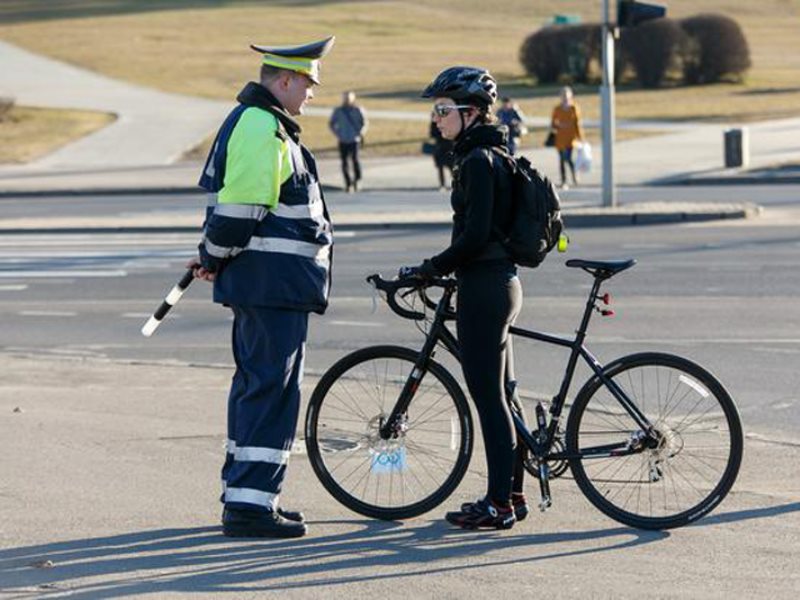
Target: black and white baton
170	301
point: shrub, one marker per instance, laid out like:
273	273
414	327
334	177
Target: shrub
654	49
716	49
539	55
562	53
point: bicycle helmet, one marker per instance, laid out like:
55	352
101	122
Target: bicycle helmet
471	84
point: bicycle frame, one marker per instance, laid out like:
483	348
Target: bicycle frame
546	433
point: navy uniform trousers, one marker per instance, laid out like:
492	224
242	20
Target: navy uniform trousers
263	406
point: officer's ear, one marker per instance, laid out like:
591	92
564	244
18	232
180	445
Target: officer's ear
284	80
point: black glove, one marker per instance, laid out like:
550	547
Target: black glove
424	271
212	264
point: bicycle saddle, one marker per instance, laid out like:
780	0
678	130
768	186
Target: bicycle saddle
602	268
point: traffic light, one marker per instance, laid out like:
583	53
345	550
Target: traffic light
630	12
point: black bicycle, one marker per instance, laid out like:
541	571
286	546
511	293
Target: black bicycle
653	440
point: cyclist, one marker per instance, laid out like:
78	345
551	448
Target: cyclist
489	292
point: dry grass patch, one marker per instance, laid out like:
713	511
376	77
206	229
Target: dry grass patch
29	133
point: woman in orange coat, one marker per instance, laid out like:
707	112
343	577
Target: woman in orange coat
566	123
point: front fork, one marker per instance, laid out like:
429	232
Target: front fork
438	331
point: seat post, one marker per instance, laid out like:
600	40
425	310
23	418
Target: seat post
590	305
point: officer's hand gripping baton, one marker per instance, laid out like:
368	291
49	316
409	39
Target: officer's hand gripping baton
170	301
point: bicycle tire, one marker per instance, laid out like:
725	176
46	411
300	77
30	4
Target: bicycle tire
342	420
699	452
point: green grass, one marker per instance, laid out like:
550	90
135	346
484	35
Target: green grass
388	50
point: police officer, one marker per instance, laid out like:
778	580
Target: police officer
266	246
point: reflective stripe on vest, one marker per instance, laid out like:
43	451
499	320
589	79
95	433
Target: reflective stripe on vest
241	211
319	253
220	251
311	211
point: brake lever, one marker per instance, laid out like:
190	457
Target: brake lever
375	293
375	296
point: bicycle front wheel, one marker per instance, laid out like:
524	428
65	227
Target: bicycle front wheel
689	462
411	472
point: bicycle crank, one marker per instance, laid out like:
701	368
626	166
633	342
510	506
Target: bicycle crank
556	467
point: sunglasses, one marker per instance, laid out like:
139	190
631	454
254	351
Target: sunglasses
442	110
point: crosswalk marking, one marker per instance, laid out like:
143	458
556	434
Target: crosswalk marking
41	256
73	256
67	273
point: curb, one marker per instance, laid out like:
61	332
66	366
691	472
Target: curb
643	215
580	218
148	191
767	177
743	180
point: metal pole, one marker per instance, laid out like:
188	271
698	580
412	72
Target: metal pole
607	110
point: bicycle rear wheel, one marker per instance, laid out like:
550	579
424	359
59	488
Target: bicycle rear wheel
699	445
403	476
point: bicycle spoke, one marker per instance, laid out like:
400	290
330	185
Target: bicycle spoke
419	456
677	463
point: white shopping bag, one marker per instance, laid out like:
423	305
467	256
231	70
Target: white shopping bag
583	158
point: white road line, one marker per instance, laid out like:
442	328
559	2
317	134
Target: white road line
65	274
13	288
48	253
144	240
47	313
355	324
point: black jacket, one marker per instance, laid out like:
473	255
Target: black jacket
481	199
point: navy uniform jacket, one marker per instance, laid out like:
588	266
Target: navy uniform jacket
267	234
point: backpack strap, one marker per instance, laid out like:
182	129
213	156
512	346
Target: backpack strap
503	154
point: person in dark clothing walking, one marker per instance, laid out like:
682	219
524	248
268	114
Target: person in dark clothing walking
511	116
489	292
349	124
442	153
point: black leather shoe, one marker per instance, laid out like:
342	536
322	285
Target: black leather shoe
251	523
292	515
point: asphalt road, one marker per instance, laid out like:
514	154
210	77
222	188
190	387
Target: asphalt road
723	294
110	471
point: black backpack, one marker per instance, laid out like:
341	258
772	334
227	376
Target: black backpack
536	223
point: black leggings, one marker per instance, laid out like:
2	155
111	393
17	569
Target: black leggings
489	299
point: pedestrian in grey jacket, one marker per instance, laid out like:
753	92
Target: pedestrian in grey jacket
349	123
